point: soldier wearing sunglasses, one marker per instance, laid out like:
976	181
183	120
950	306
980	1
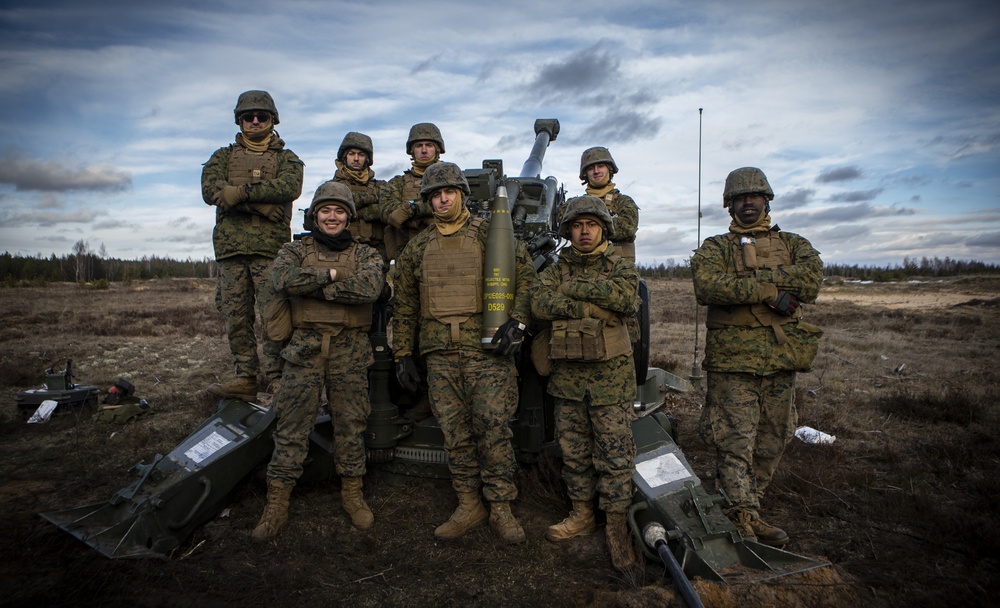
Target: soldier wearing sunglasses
252	184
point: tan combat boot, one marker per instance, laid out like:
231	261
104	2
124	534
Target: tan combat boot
242	387
741	519
767	534
275	512
506	526
354	503
579	523
469	514
619	542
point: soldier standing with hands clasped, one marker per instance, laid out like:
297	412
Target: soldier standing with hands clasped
331	282
753	280
473	392
252	184
587	296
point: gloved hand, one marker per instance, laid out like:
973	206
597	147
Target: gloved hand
408	374
785	304
508	339
596	312
564	289
231	196
399	216
272	212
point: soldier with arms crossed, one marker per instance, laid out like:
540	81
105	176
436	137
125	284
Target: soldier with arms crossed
587	296
252	184
753	280
331	282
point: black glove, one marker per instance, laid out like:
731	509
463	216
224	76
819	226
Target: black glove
507	340
785	304
408	374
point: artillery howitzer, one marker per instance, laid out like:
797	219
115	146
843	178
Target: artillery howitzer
176	493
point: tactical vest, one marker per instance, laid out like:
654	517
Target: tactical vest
451	288
248	167
765	251
329	318
588	339
625	250
365	195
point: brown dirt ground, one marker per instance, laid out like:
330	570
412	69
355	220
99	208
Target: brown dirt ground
903	504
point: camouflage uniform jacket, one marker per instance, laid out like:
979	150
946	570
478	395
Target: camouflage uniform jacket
292	279
394	197
609	281
748	349
409	329
237	232
625	213
366	195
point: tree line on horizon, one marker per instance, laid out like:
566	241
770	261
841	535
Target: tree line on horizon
86	266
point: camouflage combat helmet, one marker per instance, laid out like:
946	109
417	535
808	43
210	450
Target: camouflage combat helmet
425	131
361	142
583	205
332	192
592	156
255	100
746	180
440	175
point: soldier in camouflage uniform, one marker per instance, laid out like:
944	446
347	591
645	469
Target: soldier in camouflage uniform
331	282
403	208
354	161
597	167
473	393
587	296
753	280
252	184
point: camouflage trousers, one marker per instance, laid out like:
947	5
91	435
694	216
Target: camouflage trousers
597	450
473	394
345	378
749	420
244	289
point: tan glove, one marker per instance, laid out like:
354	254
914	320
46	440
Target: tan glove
596	312
768	293
271	211
399	216
230	196
564	289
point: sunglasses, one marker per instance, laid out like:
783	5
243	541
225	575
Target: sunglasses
260	116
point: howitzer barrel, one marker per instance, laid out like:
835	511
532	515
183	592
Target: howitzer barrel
546	130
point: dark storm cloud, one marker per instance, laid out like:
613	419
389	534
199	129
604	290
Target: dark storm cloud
621	126
839	174
52	176
50	218
583	71
426	64
849	213
856	196
987	239
795	198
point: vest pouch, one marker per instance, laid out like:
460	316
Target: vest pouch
278	319
577	340
802	345
540	352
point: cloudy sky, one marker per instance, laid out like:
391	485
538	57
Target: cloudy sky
877	123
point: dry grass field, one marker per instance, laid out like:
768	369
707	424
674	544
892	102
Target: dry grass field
904	504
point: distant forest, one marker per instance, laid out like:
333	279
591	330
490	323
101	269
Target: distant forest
87	266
